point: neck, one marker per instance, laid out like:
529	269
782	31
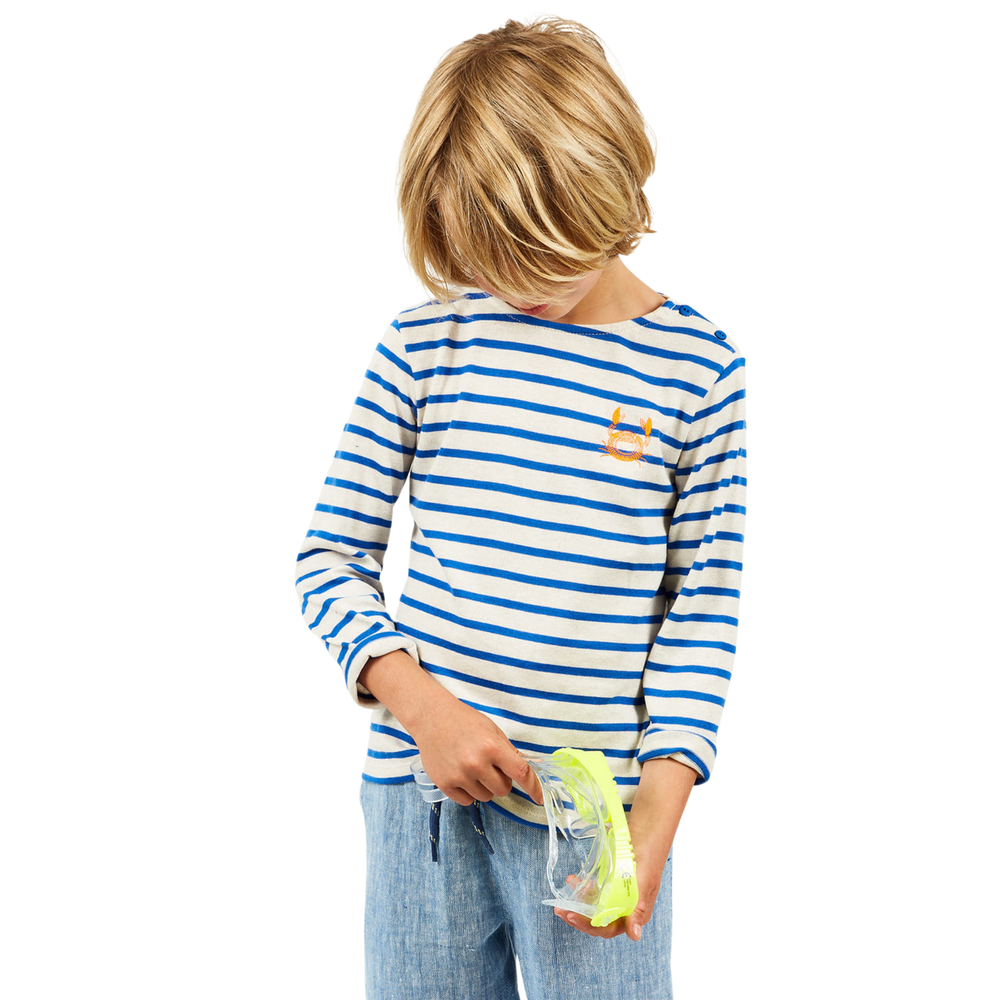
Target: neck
617	296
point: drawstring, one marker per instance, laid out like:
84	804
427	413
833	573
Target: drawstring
475	812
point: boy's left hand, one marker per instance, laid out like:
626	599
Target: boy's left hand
656	812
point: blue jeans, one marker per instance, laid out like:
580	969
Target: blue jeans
450	930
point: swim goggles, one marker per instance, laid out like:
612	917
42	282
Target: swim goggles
590	866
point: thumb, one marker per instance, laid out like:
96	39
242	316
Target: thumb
517	768
639	916
643	908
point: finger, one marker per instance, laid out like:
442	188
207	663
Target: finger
498	783
516	767
479	791
639	917
459	795
469	793
579	922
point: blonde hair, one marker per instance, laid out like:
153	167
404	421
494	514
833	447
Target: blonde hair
524	164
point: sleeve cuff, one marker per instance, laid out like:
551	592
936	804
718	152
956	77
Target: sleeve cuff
689	748
377	647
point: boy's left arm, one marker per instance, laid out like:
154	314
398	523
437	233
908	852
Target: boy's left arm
688	668
664	786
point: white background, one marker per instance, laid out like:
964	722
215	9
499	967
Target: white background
200	250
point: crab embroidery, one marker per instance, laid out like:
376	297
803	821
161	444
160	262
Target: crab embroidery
627	446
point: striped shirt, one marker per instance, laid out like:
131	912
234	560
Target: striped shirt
578	498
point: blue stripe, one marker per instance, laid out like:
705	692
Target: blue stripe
724	404
705	515
720	564
736	363
376	631
533	522
714	591
722	484
367	491
690	543
690	695
525	692
545	640
495	486
394	419
697	567
653	731
348	617
368	574
401	363
591	475
379	613
310	553
533	665
536	581
392	755
664	752
529	550
359	544
316	591
364	432
679	720
688	668
707	539
395	733
719	459
564	357
545	748
640	403
360	459
702	766
365	574
307	576
694	644
721	619
324	607
401	780
584	388
533	608
580	727
687	331
735	425
357	515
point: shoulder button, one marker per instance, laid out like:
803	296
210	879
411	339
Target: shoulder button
685	310
720	334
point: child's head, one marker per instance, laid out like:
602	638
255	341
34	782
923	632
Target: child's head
524	166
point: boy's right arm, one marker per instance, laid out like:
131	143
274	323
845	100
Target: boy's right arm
338	576
462	750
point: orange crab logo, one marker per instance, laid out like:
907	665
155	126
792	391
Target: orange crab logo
627	446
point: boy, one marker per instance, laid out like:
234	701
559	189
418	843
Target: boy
574	442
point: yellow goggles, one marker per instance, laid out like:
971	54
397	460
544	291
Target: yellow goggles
591	867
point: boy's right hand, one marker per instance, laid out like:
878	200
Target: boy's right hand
462	750
467	755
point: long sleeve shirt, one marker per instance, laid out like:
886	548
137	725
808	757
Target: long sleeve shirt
578	499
